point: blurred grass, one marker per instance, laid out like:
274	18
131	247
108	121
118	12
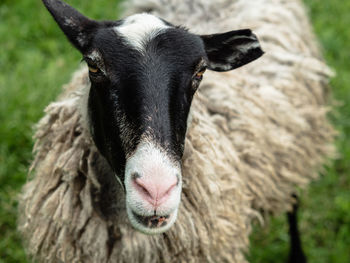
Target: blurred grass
325	208
36	59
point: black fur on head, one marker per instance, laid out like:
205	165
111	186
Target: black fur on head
136	94
144	73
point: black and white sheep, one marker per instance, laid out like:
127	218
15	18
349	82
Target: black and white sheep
133	144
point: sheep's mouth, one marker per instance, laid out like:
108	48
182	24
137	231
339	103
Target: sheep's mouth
152	225
152	221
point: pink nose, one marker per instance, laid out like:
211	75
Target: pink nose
155	190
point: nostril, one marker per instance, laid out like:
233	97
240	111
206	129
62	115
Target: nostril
135	176
145	191
167	192
141	186
155	190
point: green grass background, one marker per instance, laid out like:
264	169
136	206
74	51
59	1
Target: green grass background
36	59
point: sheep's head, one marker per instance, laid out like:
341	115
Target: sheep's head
144	72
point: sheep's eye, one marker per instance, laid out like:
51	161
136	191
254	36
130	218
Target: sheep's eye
93	69
199	75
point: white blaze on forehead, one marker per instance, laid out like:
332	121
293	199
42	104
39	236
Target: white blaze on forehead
139	28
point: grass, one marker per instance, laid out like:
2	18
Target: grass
325	211
36	59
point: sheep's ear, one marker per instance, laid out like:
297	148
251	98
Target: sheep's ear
75	26
231	50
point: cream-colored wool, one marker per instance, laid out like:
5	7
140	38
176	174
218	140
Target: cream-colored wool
257	135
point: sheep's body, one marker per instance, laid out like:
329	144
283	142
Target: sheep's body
256	134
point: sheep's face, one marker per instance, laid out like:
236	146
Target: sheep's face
144	73
142	84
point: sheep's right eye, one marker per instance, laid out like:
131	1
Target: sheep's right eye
93	68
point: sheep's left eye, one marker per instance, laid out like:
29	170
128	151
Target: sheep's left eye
199	75
93	69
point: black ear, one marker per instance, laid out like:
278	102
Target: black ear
231	50
75	26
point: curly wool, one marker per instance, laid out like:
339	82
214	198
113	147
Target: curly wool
257	134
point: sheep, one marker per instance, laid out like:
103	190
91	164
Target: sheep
253	137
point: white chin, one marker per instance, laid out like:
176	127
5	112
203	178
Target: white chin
151	225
